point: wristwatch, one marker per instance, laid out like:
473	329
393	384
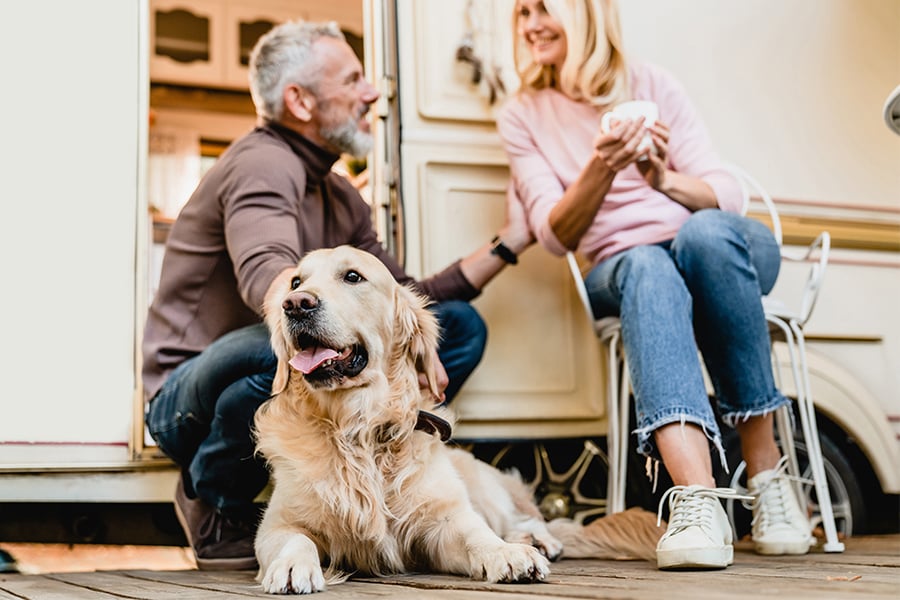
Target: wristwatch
498	248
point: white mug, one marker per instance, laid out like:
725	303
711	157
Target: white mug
634	109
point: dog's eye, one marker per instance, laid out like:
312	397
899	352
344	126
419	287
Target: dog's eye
295	283
353	277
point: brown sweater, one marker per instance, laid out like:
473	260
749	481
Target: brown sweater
269	199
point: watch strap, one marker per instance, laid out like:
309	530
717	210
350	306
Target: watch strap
498	248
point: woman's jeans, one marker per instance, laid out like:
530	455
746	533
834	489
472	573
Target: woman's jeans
700	291
202	416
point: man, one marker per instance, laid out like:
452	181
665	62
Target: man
270	198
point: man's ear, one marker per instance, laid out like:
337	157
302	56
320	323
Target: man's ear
299	101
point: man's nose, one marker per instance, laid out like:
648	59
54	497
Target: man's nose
370	94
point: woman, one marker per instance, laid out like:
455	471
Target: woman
671	256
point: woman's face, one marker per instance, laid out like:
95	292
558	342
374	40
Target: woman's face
542	33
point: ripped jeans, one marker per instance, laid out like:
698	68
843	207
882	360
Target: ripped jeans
701	292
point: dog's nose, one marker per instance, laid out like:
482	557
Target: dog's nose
300	303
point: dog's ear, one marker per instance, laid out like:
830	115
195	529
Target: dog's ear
273	317
418	333
282	376
282	354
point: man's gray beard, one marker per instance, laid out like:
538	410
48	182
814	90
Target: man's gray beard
348	138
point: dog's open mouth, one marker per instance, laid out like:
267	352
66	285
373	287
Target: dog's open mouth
318	362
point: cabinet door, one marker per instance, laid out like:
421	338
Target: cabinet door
186	42
541	373
245	22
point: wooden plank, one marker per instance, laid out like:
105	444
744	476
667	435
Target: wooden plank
869	569
120	584
43	587
601	579
402	587
741	581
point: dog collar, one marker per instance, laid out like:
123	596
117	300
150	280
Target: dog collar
431	423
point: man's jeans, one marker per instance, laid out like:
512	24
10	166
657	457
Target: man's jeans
700	291
202	416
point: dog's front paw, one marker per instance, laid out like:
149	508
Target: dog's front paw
540	538
509	563
549	546
287	576
295	569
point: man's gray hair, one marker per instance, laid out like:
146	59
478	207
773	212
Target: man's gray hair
282	56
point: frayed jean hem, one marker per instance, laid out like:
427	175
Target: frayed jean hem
733	418
646	447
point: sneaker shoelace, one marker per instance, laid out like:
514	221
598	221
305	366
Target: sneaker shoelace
778	494
693	506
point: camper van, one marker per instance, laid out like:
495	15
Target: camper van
113	109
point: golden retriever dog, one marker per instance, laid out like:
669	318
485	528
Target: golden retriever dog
363	481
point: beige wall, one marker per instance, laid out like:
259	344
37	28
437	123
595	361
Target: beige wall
791	89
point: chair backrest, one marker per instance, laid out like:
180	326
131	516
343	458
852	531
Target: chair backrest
750	187
822	244
578	280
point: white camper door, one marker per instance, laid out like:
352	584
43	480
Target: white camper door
71	148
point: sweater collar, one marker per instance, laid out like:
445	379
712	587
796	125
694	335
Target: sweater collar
317	160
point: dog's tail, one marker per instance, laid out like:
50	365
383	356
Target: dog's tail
625	535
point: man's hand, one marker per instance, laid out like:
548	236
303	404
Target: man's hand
441	379
515	233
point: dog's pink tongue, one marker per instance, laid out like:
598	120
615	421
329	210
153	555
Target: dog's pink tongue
309	359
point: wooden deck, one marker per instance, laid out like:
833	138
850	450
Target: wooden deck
869	569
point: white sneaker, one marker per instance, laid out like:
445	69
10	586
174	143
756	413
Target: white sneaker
779	526
699	534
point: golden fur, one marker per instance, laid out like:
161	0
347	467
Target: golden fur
356	487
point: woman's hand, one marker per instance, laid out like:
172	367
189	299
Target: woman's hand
617	148
654	167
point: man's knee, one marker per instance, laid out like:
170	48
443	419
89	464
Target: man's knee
460	320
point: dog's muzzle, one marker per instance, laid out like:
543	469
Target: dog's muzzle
319	359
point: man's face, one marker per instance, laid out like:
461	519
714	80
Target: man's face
343	97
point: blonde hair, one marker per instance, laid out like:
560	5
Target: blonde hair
595	69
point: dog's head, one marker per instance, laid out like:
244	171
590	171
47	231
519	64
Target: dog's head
342	321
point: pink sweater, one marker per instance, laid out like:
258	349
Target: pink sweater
548	139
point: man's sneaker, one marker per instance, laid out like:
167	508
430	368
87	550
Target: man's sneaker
779	525
219	543
699	534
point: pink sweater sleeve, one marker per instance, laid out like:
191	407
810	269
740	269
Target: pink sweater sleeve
548	139
534	179
691	151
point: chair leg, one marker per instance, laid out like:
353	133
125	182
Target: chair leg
612	421
784	418
795	342
624	399
814	448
